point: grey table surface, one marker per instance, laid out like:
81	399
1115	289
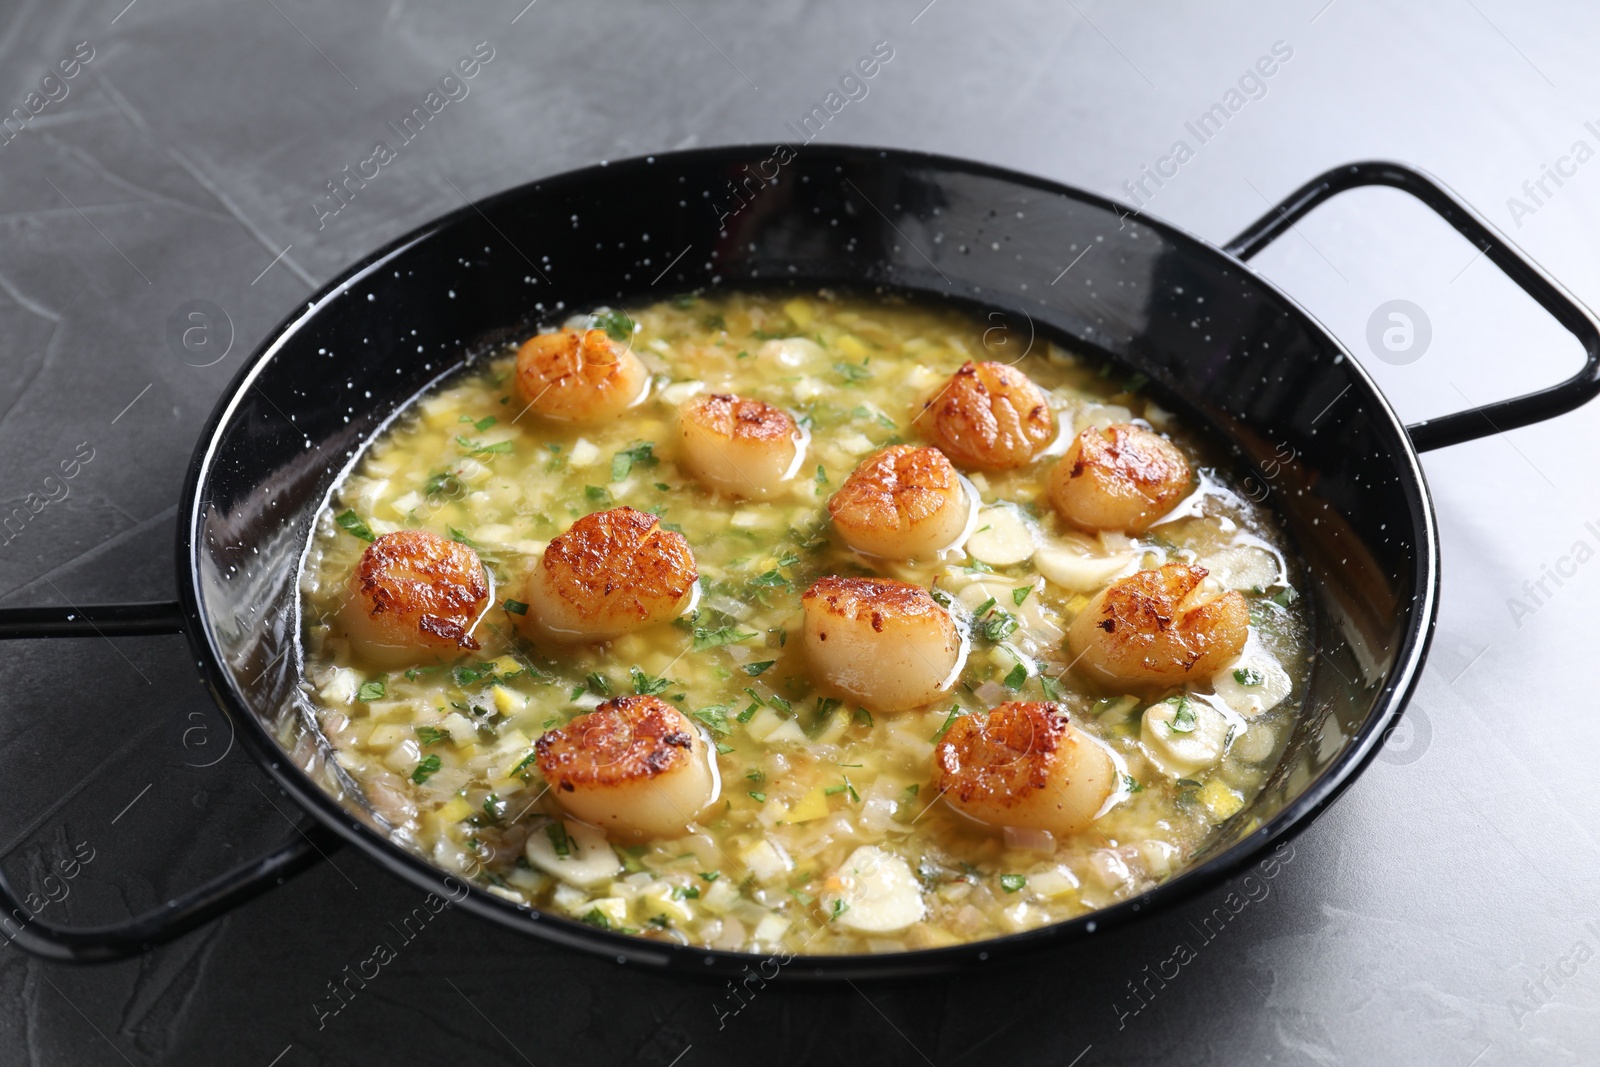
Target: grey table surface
1446	910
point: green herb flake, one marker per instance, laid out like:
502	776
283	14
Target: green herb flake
560	843
645	685
1011	883
1131	784
1020	593
724	748
1051	687
527	761
822	475
598	684
955	713
852	373
864	717
839	908
1183	716
370	691
597	918
711	876
759	798
597	494
442	483
727	635
516	607
1248	676
432	735
638	454
476	448
715	718
754	670
997	625
770	578
351	523
426	769
617	325
1016	678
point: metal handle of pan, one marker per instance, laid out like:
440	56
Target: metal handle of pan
1492	418
93	944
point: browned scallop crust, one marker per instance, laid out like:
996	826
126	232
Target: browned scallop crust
990	415
414	572
870	598
619	562
549	361
1145	606
628	739
1148	461
900	486
1001	757
741	418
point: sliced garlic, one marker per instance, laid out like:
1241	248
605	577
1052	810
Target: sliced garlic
1251	684
589	859
878	893
1002	537
1078	573
1243	567
1180	753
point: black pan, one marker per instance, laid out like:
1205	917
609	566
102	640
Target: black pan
1296	415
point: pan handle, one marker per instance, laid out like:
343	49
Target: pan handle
1492	418
96	944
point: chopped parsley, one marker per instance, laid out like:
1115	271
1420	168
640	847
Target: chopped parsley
617	325
426	769
995	625
432	735
770	578
480	424
1020	593
822	475
955	713
1247	676
755	669
645	685
1131	784
597	494
1011	883
560	843
1015	679
351	523
853	373
477	448
726	635
370	691
715	717
1051	687
759	798
1183	717
597	918
598	684
516	607
639	454
711	876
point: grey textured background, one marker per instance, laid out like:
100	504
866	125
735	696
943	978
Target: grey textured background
1438	914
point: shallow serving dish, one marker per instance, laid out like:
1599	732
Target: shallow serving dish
1234	357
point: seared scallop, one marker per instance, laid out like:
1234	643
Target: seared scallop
990	416
1024	765
740	446
887	644
579	376
1159	627
902	503
635	764
612	572
414	596
1121	477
